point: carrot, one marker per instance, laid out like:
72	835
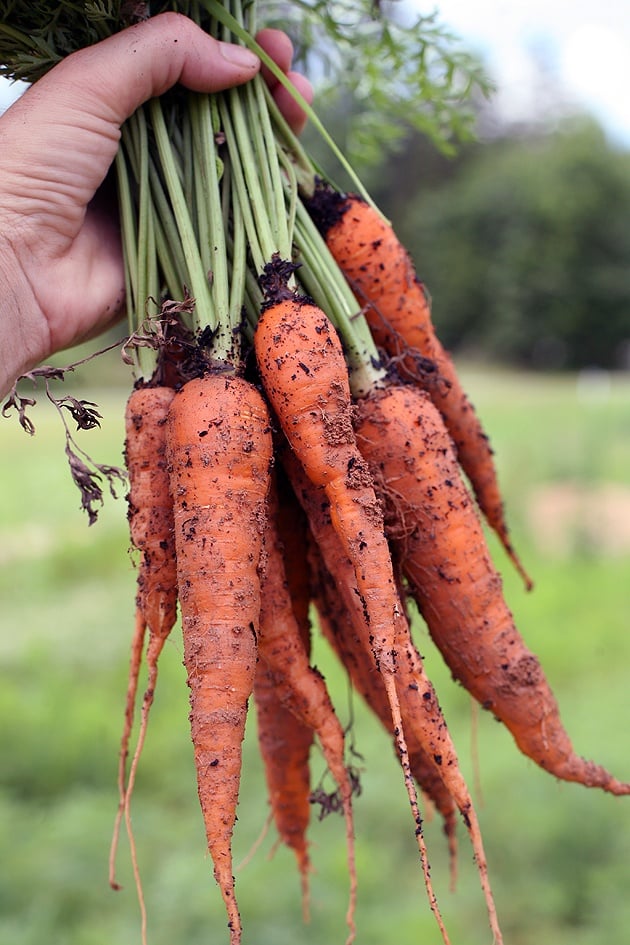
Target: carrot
151	528
336	622
446	562
284	740
279	729
397	308
304	374
219	451
285	744
421	714
299	686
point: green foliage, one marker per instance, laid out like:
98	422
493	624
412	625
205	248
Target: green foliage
525	250
396	68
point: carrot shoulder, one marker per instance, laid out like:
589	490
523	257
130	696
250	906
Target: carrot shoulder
219	452
444	556
381	273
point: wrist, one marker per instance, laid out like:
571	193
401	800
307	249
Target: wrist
24	337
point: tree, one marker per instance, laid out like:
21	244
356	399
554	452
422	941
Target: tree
526	251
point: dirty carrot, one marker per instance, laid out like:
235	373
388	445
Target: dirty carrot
397	308
285	744
445	559
334	552
338	627
219	451
299	685
150	518
285	741
421	714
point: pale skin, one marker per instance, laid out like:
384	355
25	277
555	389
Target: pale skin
61	265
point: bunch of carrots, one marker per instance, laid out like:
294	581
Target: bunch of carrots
298	438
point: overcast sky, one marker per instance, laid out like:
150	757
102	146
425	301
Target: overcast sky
586	43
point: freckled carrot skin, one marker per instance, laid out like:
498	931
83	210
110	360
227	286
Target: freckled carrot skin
397	309
219	451
445	559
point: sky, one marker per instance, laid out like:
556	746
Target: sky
584	43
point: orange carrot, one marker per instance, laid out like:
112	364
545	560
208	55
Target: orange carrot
284	740
150	518
302	367
336	623
445	559
299	686
420	711
383	277
219	451
285	744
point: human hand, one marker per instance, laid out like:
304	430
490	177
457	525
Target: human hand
60	256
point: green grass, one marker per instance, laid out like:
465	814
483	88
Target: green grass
558	853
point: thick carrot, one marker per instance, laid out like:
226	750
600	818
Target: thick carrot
304	374
219	450
445	559
420	711
150	517
336	622
397	308
299	685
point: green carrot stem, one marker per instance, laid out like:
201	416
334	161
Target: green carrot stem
205	314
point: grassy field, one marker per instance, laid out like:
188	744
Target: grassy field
558	853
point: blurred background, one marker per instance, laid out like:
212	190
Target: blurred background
521	232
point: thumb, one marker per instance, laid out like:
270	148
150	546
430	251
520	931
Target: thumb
77	108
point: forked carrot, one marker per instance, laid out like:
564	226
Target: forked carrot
299	686
219	451
445	559
150	518
383	277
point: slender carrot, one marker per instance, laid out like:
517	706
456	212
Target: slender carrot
285	744
445	559
300	686
383	277
219	451
150	518
420	711
285	741
337	624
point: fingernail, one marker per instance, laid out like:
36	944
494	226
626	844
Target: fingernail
239	56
